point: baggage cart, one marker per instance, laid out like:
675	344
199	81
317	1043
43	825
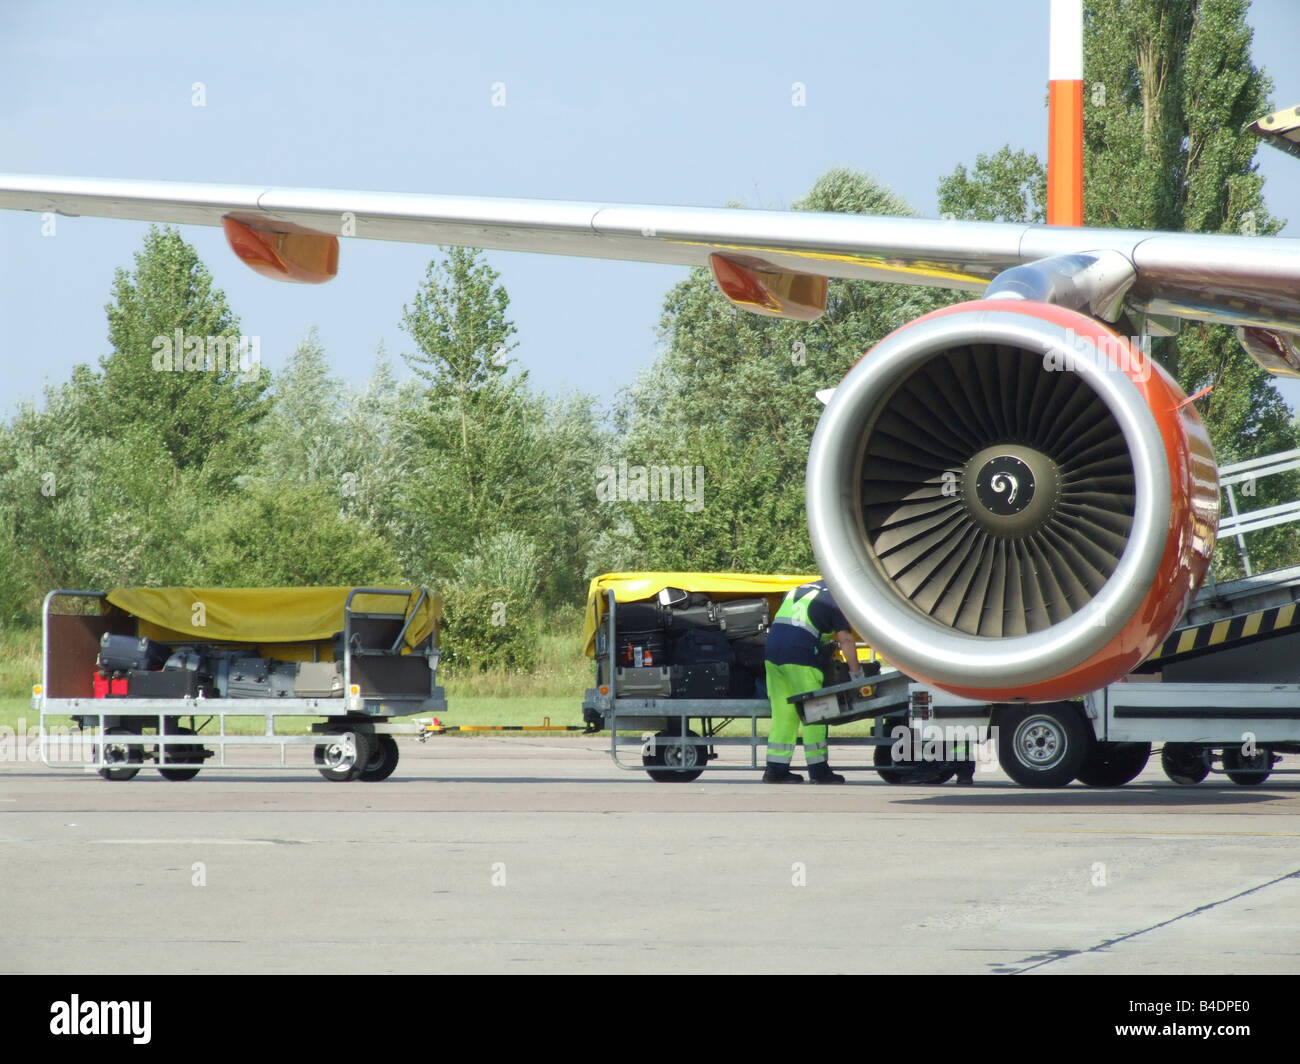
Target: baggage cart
350	659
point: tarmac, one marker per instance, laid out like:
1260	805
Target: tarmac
539	855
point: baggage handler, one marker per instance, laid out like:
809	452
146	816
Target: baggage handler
808	621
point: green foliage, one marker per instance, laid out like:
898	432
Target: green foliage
487	456
203	415
485	629
1007	186
287	535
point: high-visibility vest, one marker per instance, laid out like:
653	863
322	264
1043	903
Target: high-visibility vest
795	611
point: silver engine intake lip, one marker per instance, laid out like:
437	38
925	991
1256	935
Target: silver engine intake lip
874	602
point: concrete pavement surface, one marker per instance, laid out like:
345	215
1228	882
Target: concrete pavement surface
516	854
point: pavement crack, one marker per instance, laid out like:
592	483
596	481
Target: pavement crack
1051	957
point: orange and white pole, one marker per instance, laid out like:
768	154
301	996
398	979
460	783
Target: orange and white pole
1065	115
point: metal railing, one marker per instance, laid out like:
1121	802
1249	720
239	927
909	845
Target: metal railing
1238	524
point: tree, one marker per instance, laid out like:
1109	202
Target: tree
1170	86
177	364
1008	186
488	456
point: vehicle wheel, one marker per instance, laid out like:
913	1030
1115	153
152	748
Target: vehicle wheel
678	764
334	760
122	762
383	759
187	754
1247	771
1114	764
1185	763
1043	745
894	771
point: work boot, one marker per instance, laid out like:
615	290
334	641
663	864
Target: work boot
780	774
822	774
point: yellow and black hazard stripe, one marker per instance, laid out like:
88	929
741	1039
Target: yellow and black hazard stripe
1212	635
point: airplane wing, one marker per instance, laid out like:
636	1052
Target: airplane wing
771	262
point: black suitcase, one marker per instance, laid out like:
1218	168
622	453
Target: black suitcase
123	653
260	678
697	646
642	649
744	684
169	683
701	616
751	651
638	617
743	617
701	681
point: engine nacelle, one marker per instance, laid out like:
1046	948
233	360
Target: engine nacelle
1011	502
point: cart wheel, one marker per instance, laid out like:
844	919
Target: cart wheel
1043	745
1247	771
124	760
681	764
1114	764
174	755
335	762
1185	763
383	759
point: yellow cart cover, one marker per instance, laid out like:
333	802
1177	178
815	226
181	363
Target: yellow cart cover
262	614
637	587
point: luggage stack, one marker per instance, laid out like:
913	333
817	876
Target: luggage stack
685	645
141	668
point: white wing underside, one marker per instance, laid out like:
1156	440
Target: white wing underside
1236	280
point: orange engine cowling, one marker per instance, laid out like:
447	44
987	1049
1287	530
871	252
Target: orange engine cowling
1011	502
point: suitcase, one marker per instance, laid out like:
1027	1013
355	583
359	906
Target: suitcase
260	678
122	653
638	617
697	646
674	681
168	683
701	616
743	617
751	651
319	679
744	684
643	683
108	686
701	681
642	649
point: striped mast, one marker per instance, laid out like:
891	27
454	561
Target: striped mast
1065	115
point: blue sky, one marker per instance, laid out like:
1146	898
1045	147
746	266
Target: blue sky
682	103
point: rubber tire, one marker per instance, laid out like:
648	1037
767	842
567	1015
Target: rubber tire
1186	764
1114	764
180	755
1235	766
133	757
383	759
886	768
665	754
344	773
1061	722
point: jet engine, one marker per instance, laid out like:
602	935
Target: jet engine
1011	501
